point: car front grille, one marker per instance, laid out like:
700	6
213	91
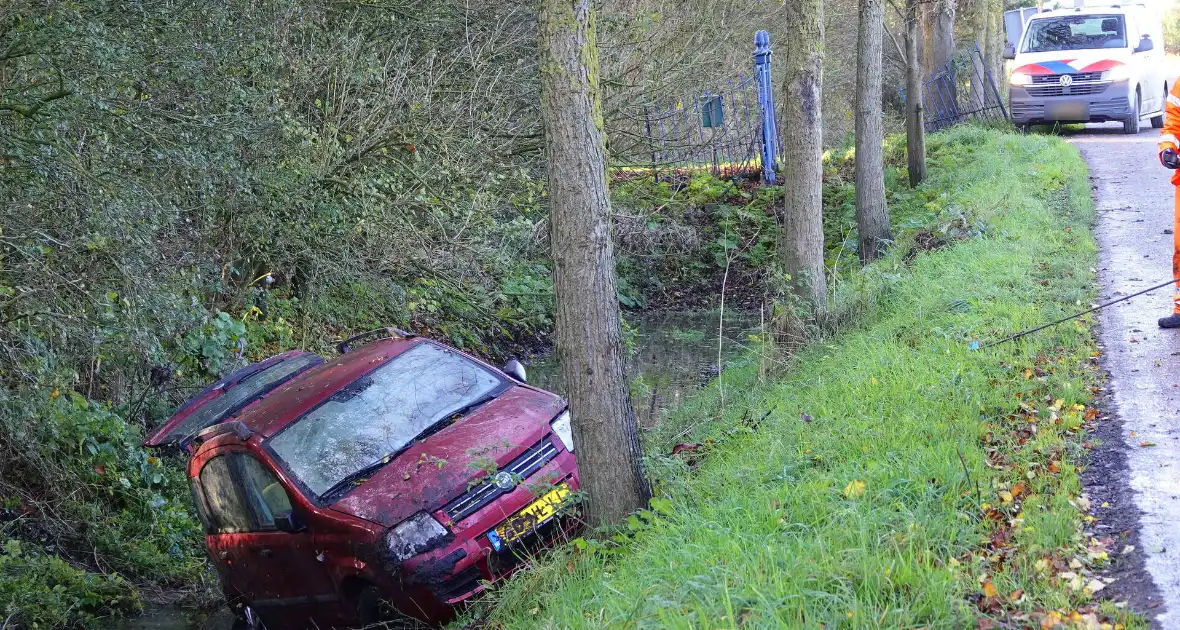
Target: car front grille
1055	79
487	491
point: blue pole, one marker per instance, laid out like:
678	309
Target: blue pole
766	103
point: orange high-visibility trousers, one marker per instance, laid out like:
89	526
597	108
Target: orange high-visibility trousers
1176	253
1170	139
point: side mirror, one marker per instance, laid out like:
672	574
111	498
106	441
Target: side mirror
289	523
1145	44
514	369
1010	52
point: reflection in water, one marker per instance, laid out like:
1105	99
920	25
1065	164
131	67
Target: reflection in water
675	354
173	618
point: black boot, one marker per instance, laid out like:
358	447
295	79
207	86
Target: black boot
1171	321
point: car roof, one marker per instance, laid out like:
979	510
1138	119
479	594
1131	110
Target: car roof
303	393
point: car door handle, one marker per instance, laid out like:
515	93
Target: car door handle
265	552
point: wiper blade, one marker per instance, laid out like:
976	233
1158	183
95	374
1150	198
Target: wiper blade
465	409
362	474
446	420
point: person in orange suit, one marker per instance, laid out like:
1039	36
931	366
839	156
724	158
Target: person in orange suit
1170	158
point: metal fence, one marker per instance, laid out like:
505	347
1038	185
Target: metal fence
962	90
733	130
729	130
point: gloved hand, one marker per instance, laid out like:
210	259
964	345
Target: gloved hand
1170	159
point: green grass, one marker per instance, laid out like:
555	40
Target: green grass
772	531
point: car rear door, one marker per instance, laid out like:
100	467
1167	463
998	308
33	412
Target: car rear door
277	572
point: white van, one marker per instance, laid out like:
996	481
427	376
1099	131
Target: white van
1090	64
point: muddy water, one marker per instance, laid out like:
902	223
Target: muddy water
672	355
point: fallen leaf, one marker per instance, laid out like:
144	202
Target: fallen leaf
854	489
989	589
1016	595
1018	490
1054	467
1146	444
1005	495
1094	586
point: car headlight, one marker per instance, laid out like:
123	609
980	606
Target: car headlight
1020	79
565	432
413	536
1118	73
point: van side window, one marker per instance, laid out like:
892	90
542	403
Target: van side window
264	492
227	511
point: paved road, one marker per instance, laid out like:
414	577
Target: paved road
1134	202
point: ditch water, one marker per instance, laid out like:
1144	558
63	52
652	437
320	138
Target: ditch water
674	354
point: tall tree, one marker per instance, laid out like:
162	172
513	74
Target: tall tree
872	213
915	123
939	31
801	245
589	343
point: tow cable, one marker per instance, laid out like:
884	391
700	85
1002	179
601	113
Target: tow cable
975	344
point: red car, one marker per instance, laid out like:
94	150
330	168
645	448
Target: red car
402	472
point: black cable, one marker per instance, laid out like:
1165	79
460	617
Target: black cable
1075	316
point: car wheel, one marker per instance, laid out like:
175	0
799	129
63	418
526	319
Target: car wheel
1157	122
1131	124
369	607
248	619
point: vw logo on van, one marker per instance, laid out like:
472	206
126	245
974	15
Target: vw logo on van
504	480
1066	80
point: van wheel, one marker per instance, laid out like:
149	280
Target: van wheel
1157	122
1131	124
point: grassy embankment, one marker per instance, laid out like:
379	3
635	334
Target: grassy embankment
902	480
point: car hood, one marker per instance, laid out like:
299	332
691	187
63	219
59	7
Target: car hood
1071	61
432	472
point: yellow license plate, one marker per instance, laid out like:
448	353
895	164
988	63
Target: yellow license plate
537	512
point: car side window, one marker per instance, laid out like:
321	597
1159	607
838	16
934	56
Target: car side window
264	492
228	512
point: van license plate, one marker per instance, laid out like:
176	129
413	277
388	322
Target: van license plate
1068	112
528	519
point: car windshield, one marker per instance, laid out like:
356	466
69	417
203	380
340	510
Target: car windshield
380	413
1079	32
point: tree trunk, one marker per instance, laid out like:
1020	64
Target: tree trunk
939	31
872	215
915	124
589	343
801	245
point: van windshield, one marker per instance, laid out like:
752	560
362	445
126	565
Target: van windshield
1078	32
376	416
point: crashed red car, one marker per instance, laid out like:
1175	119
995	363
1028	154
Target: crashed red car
402	473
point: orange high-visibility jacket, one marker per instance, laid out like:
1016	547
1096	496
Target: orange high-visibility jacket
1171	130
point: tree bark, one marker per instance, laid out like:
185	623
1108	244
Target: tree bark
872	214
939	32
801	244
915	103
589	342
